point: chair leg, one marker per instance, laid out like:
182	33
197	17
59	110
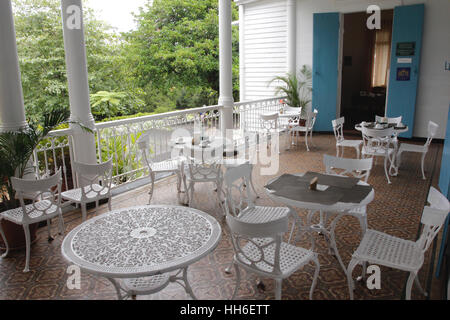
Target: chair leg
386	170
109	204
417	282
357	153
191	194
351	285
238	281
61	223
150	193
278	285
409	284
422	165
49	231
306	141
316	275
83	212
28	247
337	151
4	241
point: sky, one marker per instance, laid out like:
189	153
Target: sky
117	13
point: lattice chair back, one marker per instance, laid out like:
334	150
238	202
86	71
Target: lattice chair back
358	168
269	122
394	120
377	139
257	245
433	218
237	180
144	147
432	130
203	163
338	125
48	189
94	179
311	118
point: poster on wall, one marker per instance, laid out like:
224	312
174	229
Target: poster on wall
405	49
403	74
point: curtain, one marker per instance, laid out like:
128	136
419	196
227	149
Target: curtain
382	54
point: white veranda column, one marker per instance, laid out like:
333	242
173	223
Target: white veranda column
225	68
291	35
242	52
12	110
77	77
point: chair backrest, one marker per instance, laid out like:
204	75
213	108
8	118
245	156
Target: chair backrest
432	129
203	163
94	179
269	121
48	189
338	125
433	218
311	118
377	138
394	120
358	168
258	236
237	180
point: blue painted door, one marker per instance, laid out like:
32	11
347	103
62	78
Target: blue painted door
325	68
404	73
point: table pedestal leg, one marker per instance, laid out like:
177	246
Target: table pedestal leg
117	287
183	281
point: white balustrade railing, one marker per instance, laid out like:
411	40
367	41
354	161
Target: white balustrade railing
53	153
117	139
248	114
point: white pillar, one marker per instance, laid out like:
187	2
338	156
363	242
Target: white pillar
291	35
242	52
12	110
225	67
77	77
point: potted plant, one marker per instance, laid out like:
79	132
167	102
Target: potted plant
16	150
297	88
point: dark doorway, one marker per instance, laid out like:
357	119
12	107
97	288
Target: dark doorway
365	67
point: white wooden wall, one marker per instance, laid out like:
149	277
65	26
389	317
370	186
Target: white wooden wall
264	46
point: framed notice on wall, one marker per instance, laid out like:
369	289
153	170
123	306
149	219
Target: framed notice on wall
405	49
403	74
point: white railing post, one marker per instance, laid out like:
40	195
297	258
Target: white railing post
12	110
226	70
77	77
291	36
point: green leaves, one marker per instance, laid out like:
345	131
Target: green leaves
296	87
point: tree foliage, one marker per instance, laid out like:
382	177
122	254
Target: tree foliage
171	61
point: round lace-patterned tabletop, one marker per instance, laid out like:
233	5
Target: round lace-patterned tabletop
141	241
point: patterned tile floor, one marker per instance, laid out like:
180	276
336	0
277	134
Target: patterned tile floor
396	210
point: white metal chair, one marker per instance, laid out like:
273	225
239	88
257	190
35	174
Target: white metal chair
206	169
166	166
386	250
259	248
270	126
406	147
357	168
46	204
341	142
296	128
394	120
377	143
95	181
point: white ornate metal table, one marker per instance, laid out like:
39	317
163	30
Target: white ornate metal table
339	207
144	242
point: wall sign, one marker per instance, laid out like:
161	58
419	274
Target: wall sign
404	60
406	49
403	74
